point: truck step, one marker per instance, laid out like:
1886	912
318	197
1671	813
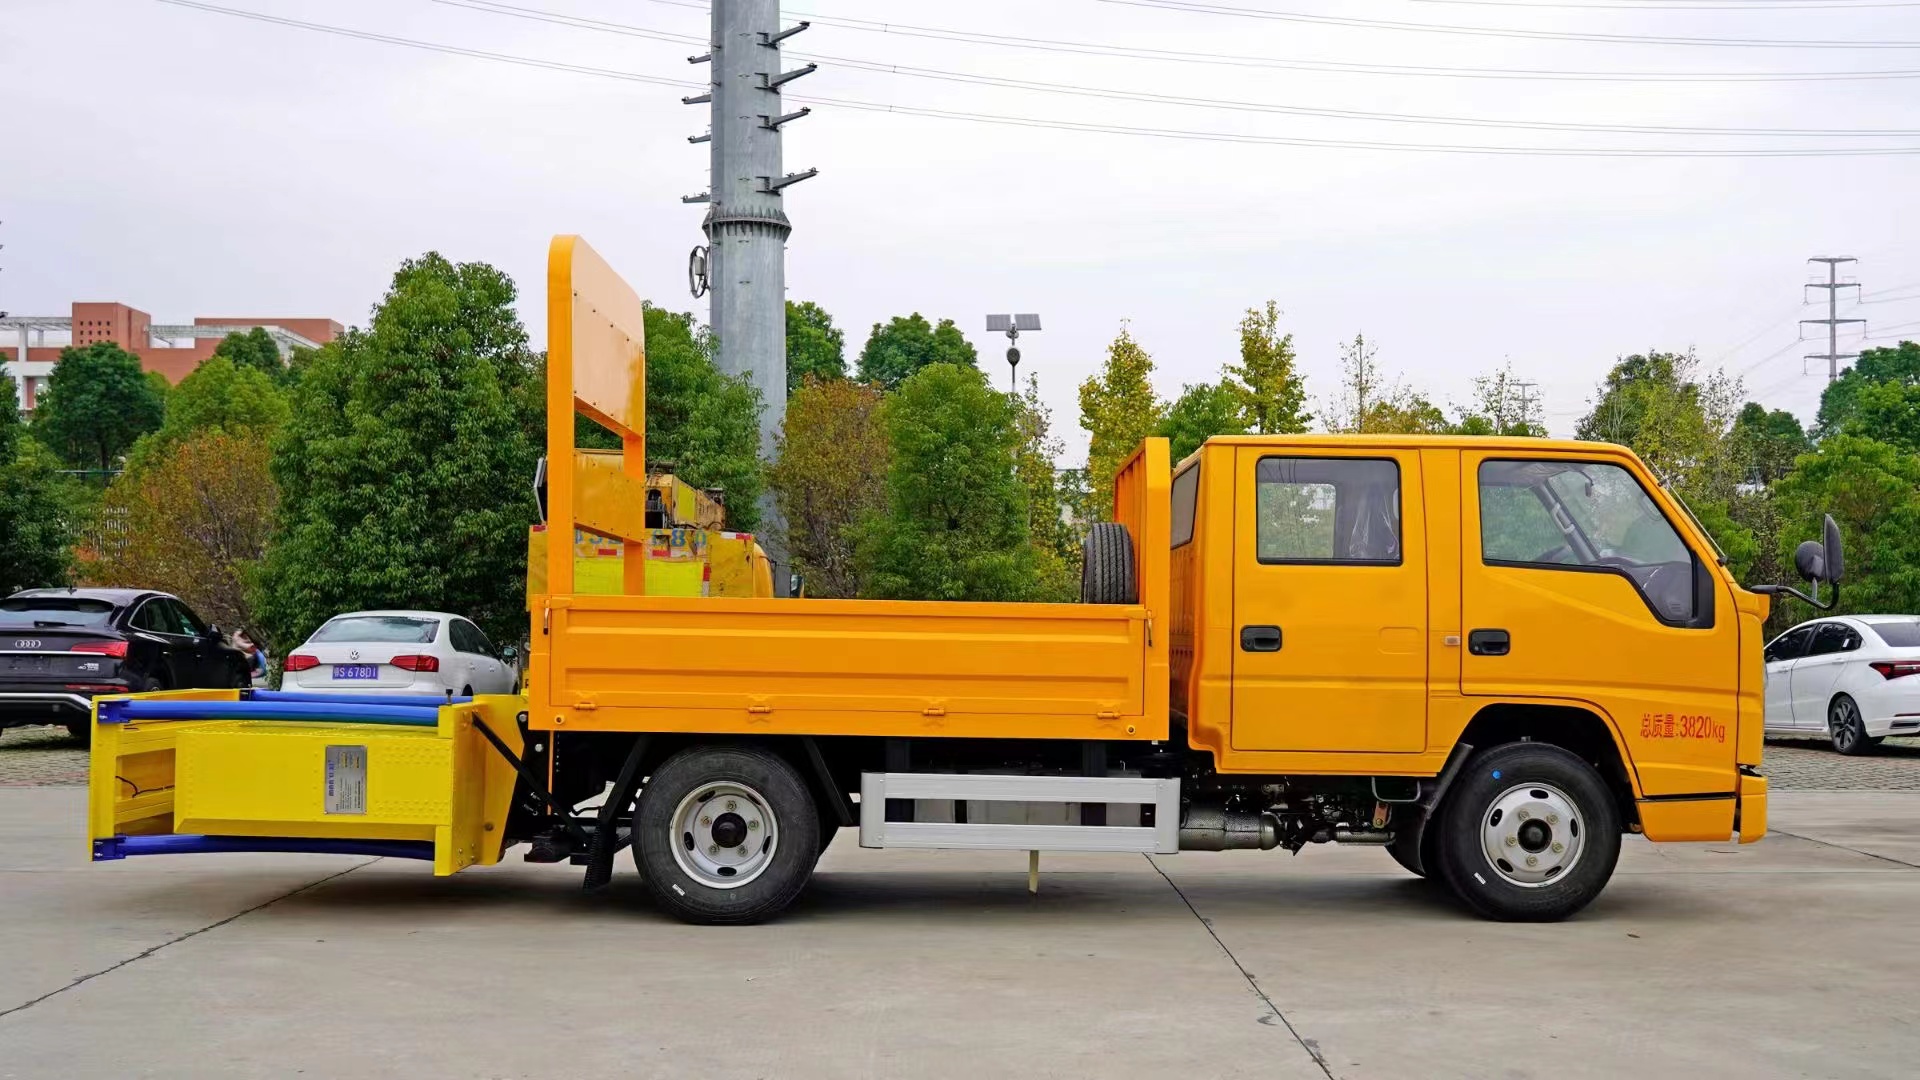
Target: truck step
1163	836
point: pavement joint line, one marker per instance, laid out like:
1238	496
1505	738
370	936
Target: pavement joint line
1855	850
143	954
1252	984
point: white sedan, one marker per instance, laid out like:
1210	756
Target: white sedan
399	652
1854	679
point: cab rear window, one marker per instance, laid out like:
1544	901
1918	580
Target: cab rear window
391	629
55	611
1899	635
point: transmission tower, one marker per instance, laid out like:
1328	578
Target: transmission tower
1832	322
744	260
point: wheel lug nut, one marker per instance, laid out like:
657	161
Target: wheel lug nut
1511	841
731	805
1558	847
752	825
706	821
1521	814
1553	819
713	849
741	850
1533	860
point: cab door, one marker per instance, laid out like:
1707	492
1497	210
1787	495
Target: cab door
1329	601
1580	587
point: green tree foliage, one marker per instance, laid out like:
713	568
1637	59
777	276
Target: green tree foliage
701	425
1888	411
1118	409
254	349
816	348
1199	413
1897	364
218	396
905	345
1373	403
95	405
1056	543
34	530
403	470
1872	489
1767	442
1501	407
955	527
1266	383
829	473
1674	417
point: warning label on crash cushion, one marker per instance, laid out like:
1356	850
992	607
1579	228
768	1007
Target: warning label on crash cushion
346	780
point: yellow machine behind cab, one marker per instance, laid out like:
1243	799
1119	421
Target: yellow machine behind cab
1491	656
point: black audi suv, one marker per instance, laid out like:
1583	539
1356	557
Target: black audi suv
60	647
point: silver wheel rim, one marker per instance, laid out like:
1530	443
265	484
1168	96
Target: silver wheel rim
1532	834
724	834
1845	732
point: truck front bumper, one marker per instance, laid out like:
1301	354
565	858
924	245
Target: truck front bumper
1751	816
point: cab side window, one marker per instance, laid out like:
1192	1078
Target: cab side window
1791	645
1833	637
1328	510
1556	514
467	638
154	618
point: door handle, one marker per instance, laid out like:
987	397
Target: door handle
1260	638
1489	642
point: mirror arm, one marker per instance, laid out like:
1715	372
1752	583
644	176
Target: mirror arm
1776	590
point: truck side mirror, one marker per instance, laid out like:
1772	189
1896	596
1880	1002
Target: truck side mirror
1822	560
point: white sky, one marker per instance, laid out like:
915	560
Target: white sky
193	163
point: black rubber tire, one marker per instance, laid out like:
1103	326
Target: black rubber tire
1847	729
1464	865
796	827
1106	566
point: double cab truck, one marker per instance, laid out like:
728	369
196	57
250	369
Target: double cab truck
1492	657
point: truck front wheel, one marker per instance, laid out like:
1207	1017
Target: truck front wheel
725	834
1529	833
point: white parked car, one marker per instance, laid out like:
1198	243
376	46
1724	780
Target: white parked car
399	652
1853	678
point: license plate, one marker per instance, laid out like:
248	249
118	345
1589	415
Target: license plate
29	664
356	671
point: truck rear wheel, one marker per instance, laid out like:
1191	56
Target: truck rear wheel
725	834
1106	566
1529	833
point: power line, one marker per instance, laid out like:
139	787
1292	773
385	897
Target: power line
1201	8
1679	5
1180	134
494	7
1217	59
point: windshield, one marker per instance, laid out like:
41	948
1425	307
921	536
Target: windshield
55	611
394	629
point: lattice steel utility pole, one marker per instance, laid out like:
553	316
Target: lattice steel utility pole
1832	322
744	260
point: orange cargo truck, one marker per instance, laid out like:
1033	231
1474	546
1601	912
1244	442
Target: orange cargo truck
1491	657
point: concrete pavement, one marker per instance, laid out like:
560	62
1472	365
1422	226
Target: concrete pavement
1790	958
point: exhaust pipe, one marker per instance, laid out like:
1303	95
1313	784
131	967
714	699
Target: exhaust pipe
1345	835
1215	828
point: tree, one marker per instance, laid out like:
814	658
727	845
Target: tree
905	345
701	425
828	473
1371	403
1265	384
1888	411
1199	413
1056	544
1768	442
403	472
815	347
955	527
95	405
254	349
1872	489
1500	407
1899	364
218	396
34	533
1118	409
195	523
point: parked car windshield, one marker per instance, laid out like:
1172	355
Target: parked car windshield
55	611
397	629
1899	635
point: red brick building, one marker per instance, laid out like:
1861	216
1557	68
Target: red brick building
173	350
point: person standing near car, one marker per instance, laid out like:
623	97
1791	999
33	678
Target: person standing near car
256	657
